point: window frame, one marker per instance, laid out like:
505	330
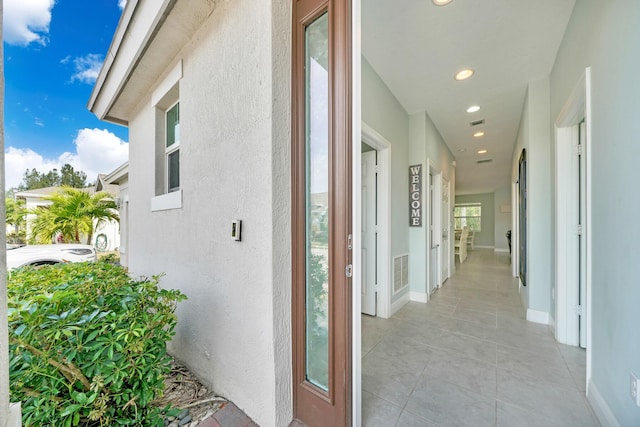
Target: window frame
171	149
468	205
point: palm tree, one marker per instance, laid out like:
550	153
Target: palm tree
71	214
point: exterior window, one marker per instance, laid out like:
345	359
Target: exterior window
468	214
172	149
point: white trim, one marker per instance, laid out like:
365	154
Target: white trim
401	302
418	296
356	135
587	226
484	246
600	408
383	259
538	316
506	251
577	107
167	201
15	415
169	82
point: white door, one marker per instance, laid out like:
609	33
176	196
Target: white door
369	233
446	229
434	227
582	247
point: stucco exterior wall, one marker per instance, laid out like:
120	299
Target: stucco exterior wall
234	330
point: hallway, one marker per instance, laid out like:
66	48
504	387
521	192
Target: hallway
469	358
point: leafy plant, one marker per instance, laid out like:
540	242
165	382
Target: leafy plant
71	214
88	345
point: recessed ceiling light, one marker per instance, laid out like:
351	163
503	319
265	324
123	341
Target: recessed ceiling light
478	134
473	109
441	2
464	74
482	151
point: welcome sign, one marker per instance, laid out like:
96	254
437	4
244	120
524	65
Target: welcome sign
415	196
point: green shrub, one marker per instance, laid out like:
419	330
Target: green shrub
88	345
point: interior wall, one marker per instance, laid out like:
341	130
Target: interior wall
426	145
534	135
486	236
602	35
382	111
502	197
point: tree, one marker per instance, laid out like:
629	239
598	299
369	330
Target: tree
72	214
16	214
32	179
70	178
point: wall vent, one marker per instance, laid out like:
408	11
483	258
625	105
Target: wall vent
484	161
400	273
477	122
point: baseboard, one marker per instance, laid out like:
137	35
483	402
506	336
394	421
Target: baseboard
501	250
482	247
538	316
418	296
552	323
399	303
600	407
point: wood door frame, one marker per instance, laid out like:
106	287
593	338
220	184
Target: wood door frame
310	403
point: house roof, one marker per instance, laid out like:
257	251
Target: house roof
148	39
48	191
118	175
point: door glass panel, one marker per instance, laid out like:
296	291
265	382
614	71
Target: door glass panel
317	201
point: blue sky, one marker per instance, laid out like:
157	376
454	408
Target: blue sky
53	51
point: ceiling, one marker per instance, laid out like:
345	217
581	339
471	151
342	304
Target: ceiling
417	47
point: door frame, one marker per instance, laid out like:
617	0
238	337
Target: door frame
576	109
383	258
311	404
434	208
446	221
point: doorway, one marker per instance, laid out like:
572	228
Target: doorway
368	227
446	232
321	239
572	220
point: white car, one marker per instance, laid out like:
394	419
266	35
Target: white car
49	254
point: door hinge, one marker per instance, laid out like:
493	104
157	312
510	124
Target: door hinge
350	242
348	271
579	231
579	310
579	149
376	228
377	169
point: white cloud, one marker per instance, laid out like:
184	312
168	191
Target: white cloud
87	68
26	21
97	151
122	4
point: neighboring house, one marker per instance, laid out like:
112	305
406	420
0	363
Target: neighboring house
106	236
234	115
120	178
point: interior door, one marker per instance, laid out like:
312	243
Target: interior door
321	212
434	266
582	246
369	233
446	227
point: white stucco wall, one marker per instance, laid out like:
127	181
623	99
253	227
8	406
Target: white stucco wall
606	37
234	330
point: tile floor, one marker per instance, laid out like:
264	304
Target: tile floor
469	358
